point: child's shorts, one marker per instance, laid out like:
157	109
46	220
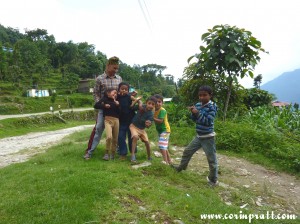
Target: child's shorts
141	133
163	141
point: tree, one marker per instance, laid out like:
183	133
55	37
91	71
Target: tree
257	81
36	35
3	62
27	56
256	97
70	82
153	69
231	53
129	74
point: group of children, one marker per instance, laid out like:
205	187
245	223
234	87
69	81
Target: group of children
125	115
121	119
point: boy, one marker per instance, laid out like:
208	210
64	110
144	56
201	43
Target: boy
143	119
109	79
127	112
163	128
203	113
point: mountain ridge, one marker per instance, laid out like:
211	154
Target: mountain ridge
286	87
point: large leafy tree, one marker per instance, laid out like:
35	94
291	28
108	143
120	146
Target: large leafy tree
28	57
231	53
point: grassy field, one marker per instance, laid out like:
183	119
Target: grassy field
20	105
60	187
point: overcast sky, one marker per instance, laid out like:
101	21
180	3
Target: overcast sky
164	32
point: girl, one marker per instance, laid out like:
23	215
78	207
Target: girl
110	107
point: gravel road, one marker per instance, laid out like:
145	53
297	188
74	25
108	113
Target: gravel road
20	148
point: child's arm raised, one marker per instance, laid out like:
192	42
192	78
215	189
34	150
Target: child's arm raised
135	100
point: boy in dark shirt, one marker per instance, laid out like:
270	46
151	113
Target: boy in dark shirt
127	112
143	119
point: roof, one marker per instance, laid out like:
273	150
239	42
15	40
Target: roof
280	104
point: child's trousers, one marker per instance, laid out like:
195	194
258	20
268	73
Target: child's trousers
209	147
112	131
123	132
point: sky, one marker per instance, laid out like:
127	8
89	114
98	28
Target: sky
163	32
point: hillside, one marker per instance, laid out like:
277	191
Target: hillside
285	87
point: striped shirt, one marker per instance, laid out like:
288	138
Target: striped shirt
104	82
205	118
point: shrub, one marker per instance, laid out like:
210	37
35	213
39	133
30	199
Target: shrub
246	138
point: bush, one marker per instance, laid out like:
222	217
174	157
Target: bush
50	119
245	138
10	108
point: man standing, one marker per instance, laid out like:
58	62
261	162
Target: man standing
108	79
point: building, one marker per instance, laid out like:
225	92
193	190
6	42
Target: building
280	104
37	93
85	86
167	100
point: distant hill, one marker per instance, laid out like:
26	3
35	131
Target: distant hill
286	87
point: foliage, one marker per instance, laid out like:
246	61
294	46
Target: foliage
53	98
281	118
35	59
256	97
189	95
257	81
230	53
245	138
178	114
70	82
81	100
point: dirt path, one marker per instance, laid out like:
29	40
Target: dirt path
279	191
20	148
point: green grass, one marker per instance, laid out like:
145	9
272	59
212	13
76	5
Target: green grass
19	105
60	187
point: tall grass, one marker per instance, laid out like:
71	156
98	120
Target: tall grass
281	118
